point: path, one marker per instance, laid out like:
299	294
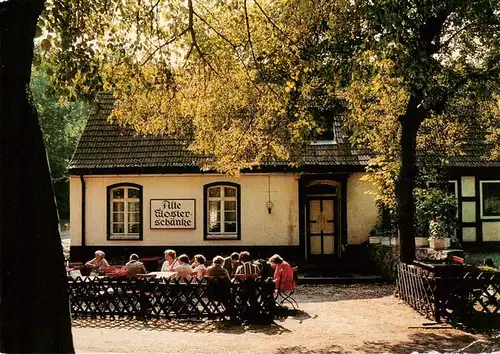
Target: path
336	319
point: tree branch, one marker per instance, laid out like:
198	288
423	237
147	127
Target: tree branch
448	41
223	37
235	48
172	39
273	24
193	38
429	32
249	38
188	55
247	21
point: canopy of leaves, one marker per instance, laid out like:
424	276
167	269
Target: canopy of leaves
248	80
62	125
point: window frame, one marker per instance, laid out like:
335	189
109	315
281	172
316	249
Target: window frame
207	236
481	200
338	133
332	141
455	187
109	211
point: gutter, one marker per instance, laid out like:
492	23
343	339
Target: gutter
83	209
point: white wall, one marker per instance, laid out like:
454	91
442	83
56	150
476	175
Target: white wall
468	186
491	231
75	214
258	227
361	209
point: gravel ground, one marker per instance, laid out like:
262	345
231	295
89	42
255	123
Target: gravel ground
333	319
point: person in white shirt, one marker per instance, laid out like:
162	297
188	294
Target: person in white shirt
183	270
170	261
199	266
97	263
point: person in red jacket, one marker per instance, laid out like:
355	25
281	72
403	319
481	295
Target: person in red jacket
283	273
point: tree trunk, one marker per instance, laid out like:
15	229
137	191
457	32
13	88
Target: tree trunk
34	310
410	123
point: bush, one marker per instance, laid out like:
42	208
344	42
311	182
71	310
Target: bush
385	260
387	223
430	203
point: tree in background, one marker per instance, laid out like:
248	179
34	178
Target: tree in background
62	124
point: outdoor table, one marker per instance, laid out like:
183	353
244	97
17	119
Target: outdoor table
145	276
165	275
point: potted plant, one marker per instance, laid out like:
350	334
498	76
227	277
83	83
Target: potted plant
435	218
439	234
421	241
375	235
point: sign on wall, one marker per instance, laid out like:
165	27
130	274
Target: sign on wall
173	214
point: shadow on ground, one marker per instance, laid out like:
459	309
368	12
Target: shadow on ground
179	326
342	292
418	343
334	349
207	326
435	341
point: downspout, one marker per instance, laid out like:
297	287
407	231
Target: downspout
83	209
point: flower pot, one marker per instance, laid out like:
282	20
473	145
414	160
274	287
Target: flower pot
439	243
385	241
421	242
374	239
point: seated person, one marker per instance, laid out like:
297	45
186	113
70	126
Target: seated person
283	273
266	271
231	263
247	267
135	267
199	266
170	261
216	270
183	269
97	263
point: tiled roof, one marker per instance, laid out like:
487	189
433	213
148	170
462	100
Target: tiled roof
475	152
105	145
109	146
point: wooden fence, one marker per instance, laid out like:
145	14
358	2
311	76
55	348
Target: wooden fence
451	293
240	299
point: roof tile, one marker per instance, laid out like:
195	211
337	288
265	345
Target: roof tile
105	145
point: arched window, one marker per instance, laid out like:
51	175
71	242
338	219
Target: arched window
124	211
222	211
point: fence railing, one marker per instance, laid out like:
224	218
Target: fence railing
451	293
417	287
239	299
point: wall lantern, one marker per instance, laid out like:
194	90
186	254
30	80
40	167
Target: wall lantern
269	206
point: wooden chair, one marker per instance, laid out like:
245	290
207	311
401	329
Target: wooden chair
194	273
286	295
